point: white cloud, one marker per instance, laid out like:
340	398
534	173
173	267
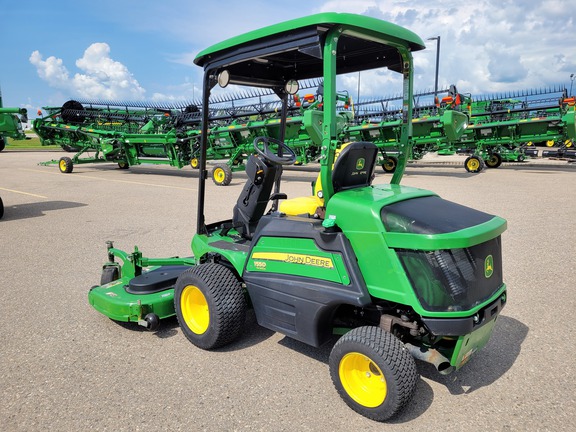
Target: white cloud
101	77
487	45
51	70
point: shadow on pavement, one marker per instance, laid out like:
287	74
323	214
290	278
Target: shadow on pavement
31	210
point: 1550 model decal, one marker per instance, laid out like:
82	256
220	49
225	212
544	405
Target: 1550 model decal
310	260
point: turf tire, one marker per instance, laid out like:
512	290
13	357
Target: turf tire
65	165
221	175
222	309
359	358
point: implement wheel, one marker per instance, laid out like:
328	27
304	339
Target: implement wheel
222	175
494	161
373	372
389	165
1	208
123	165
109	274
194	163
210	305
474	164
65	164
2	143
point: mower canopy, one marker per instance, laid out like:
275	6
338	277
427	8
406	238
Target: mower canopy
323	45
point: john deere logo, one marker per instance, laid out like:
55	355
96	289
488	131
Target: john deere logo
360	162
488	266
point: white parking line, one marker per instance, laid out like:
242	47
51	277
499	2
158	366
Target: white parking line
23	193
111	180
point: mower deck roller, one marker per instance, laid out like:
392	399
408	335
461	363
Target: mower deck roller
397	272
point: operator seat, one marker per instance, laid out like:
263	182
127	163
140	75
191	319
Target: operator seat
253	199
353	167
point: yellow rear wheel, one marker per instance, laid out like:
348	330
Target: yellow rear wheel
195	309
210	305
362	379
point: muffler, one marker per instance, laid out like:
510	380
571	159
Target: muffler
432	356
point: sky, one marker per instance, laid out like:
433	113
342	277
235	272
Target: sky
129	50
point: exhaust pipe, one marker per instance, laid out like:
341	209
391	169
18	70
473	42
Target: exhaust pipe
431	356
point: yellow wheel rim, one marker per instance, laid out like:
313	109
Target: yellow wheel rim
363	380
390	164
62	165
219	175
195	310
473	164
549	143
194	163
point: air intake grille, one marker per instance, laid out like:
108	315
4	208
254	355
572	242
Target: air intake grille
454	279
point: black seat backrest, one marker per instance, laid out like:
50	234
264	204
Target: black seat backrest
255	196
354	167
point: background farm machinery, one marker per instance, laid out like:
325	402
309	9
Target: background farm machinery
109	132
435	127
133	134
508	127
11	120
140	133
490	130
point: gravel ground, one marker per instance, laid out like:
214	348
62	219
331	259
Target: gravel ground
65	367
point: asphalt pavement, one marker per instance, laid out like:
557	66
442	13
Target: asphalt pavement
65	367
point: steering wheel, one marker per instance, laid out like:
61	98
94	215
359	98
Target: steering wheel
288	156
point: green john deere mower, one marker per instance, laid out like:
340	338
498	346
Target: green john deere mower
398	272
